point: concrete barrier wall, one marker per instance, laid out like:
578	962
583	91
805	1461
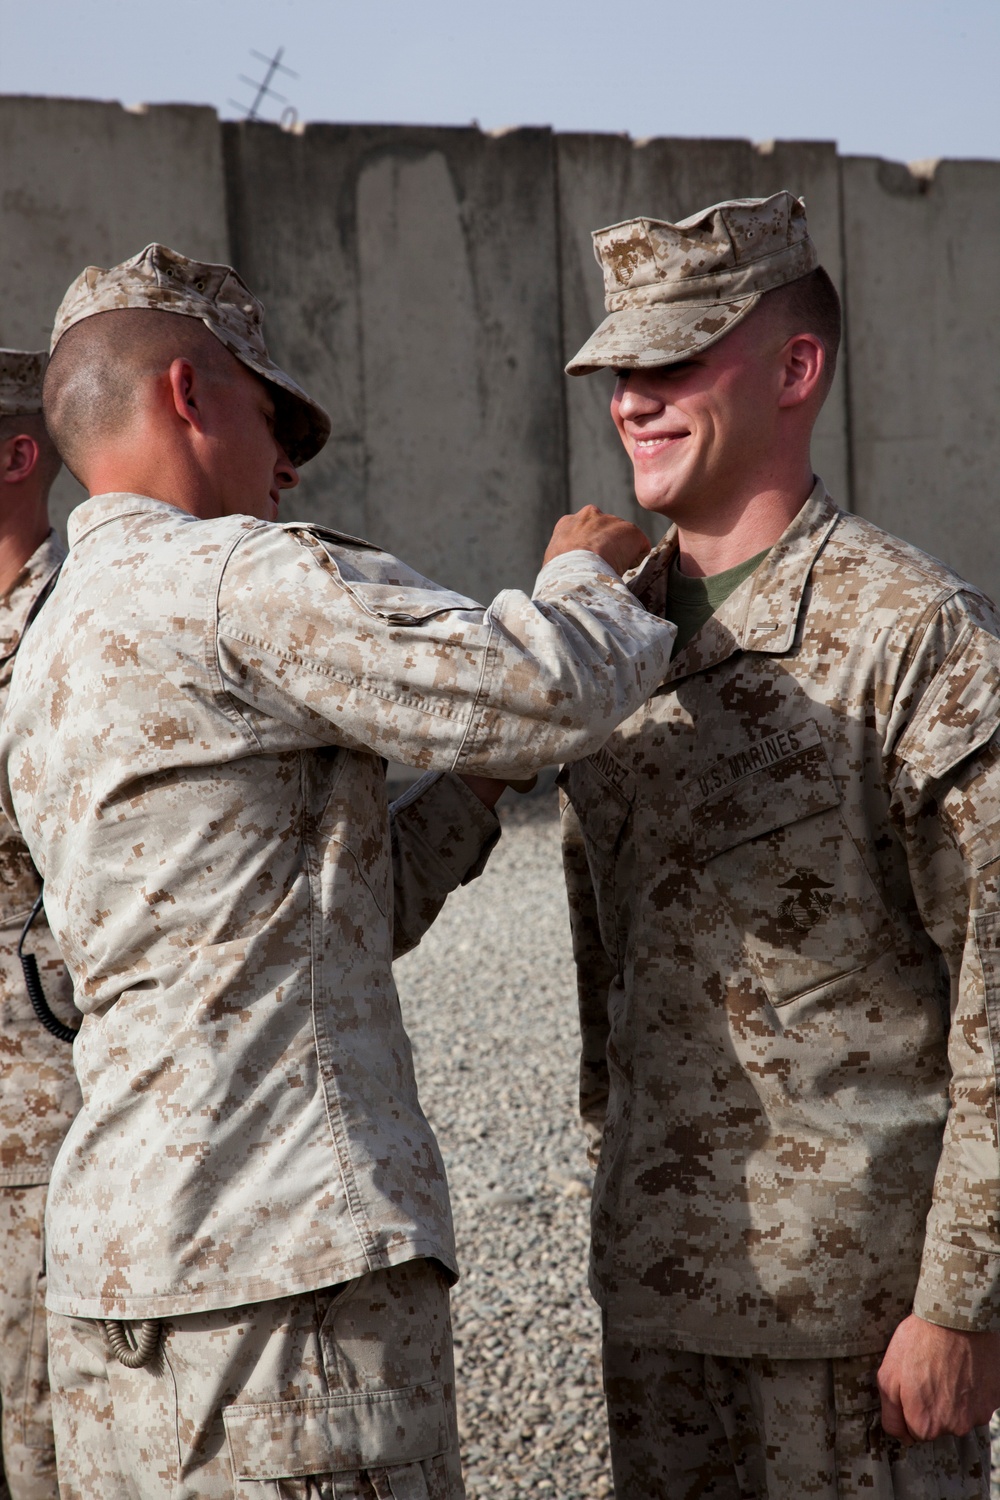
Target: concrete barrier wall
923	296
428	285
411	281
82	184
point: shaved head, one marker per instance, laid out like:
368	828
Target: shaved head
94	384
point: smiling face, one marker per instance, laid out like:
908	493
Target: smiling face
702	431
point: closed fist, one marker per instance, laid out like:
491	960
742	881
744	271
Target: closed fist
618	542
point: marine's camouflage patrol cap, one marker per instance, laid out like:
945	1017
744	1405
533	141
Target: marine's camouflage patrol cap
671	289
166	281
21	373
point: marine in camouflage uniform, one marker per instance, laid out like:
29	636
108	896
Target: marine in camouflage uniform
785	898
251	1194
38	1090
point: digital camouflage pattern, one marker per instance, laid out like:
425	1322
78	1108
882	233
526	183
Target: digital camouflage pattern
785	884
164	280
704	1427
21	374
437	827
192	752
38	1099
28	1464
38	1090
671	289
340	1394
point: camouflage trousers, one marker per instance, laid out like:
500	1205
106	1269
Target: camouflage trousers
343	1394
703	1427
28	1468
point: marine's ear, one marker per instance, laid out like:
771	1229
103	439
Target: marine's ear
19	457
186	393
803	368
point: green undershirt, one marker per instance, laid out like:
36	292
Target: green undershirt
691	602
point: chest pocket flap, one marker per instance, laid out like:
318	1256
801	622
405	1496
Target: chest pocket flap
602	792
780	779
785	866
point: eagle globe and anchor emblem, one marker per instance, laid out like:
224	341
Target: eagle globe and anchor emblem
809	900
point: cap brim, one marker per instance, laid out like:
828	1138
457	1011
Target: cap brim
303	426
640	338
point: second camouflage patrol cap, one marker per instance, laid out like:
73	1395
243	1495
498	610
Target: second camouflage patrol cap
21	374
163	280
672	289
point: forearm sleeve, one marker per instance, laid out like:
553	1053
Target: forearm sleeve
351	648
947	804
442	836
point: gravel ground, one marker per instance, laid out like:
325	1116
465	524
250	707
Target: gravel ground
489	1003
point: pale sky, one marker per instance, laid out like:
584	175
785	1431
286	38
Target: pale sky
907	79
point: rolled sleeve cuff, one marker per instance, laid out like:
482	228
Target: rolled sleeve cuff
570	569
959	1287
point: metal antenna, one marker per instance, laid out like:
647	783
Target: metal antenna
264	89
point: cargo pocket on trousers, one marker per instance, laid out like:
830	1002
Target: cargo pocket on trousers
865	1453
386	1433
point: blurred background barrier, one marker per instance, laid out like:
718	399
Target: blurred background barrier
427	284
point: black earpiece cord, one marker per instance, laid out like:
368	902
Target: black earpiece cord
33	984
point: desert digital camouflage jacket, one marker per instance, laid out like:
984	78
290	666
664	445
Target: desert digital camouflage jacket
38	1090
192	752
786	910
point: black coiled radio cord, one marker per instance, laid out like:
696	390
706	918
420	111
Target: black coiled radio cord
33	984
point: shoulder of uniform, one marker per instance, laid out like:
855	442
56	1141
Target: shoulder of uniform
256	540
899	573
326	534
959	712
